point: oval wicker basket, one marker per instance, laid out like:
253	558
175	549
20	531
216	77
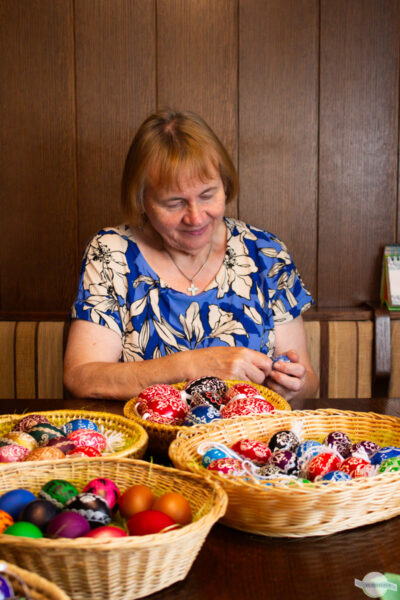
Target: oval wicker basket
38	587
160	436
135	438
120	568
303	509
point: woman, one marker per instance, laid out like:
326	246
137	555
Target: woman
180	291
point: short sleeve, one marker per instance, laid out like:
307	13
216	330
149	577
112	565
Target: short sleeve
102	287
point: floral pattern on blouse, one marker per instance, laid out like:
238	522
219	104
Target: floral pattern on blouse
256	287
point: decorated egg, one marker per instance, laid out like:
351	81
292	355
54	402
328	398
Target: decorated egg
256	451
365	445
201	414
171	409
390	465
5	521
94	508
269	470
154	417
58	491
86	437
13	453
226	466
105	488
286	461
43	432
39	512
243	390
6	589
67	524
284	440
24	529
356	467
212	454
13	502
280	358
62	443
339	441
306	452
335	476
79	424
4	442
87	451
246	406
176	506
158	390
21	438
150	521
136	498
106	532
322	464
382	454
45	453
210	390
27	422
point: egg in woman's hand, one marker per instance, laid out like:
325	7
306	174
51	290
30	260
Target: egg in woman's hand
175	505
136	498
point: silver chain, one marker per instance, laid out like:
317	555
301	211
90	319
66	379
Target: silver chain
192	288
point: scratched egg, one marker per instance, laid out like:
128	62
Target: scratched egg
339	441
356	467
210	390
172	409
382	454
243	390
13	453
390	465
212	454
87	437
201	414
75	424
226	466
27	422
158	390
45	453
84	451
58	491
246	406
21	438
286	461
253	450
93	507
5	521
335	476
104	487
365	445
284	440
13	501
322	464
43	432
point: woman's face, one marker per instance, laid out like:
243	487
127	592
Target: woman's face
187	216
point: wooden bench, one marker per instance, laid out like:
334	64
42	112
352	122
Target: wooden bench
341	344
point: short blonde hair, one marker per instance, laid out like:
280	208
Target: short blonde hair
166	144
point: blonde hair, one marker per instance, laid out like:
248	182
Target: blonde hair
167	144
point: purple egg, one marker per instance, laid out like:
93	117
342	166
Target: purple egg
340	441
67	524
62	443
369	447
286	461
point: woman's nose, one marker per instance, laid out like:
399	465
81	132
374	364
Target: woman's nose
193	215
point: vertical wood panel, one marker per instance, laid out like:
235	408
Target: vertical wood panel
197	63
365	351
358	146
115	74
50	359
38	220
278	120
342	359
25	359
7	335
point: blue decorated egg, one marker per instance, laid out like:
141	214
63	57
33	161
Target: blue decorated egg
212	454
202	414
383	454
14	501
336	476
76	424
6	589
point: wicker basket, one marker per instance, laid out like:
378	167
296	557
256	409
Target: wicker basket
135	438
160	436
121	568
38	587
303	509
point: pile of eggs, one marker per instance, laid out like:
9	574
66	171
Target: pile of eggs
286	457
99	511
201	401
35	438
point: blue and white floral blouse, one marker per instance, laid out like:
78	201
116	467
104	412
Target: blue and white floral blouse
256	287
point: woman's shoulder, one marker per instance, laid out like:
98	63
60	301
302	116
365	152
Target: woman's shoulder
115	237
252	234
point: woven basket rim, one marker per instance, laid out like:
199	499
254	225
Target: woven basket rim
37	582
127	543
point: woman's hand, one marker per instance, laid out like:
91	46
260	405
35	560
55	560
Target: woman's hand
287	378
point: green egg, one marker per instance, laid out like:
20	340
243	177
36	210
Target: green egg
44	432
24	529
390	465
58	491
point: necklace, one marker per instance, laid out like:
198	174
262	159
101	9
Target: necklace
192	288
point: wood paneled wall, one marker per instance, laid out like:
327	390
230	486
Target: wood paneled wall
304	93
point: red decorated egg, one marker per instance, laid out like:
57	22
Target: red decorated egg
322	464
13	453
45	453
172	409
105	488
87	437
256	451
87	451
356	467
150	521
227	466
158	390
240	389
246	406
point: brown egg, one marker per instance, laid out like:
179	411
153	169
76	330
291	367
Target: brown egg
175	505
135	499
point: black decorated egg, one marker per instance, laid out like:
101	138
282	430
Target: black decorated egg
340	441
286	461
91	506
58	491
39	512
284	440
67	524
105	488
206	389
43	432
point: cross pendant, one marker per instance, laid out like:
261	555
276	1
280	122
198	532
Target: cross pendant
192	289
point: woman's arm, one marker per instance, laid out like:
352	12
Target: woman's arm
92	370
297	378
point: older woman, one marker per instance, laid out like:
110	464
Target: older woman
180	291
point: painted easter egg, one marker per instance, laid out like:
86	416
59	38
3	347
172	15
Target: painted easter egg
356	467
5	521
209	390
226	466
62	443
13	502
364	446
172	409
336	476
243	390
94	508
321	464
21	438
104	487
106	532
58	491
27	422
86	451
382	454
212	454
13	453
390	465
158	390
67	524
43	432
246	406
45	453
256	451
174	505
284	440
86	437
202	414
24	529
286	461
39	512
339	441
136	498
75	424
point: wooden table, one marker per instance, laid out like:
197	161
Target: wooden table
233	565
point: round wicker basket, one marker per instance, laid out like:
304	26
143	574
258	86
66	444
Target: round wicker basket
299	510
132	435
120	568
160	436
38	587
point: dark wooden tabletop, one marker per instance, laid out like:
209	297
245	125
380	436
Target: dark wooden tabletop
233	565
